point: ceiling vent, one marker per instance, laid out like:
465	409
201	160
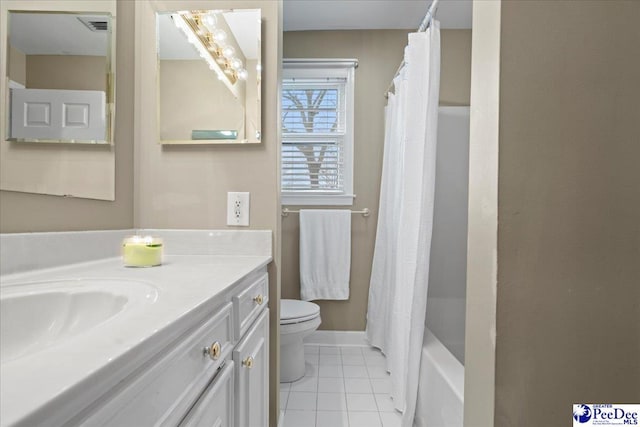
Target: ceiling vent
95	23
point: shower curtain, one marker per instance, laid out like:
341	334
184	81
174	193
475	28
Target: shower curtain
400	271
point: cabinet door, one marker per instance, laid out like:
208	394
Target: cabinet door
251	358
215	407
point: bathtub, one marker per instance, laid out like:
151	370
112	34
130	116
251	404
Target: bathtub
440	387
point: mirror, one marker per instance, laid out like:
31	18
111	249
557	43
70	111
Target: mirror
209	84
64	146
60	77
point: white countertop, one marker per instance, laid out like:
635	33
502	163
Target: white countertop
60	378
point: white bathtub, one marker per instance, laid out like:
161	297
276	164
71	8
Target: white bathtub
441	386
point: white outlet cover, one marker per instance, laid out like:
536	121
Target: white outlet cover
238	209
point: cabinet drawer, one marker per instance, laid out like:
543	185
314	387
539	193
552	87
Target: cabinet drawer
164	392
215	406
249	303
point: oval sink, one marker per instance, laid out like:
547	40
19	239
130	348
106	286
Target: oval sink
35	316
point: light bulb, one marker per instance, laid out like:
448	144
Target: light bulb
228	52
236	64
219	35
210	20
243	74
259	67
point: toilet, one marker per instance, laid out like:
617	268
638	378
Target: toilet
297	320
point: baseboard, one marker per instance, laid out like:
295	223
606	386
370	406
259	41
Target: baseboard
355	338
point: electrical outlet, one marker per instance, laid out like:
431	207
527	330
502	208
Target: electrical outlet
237	209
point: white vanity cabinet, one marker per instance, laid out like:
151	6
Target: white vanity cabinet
211	376
164	390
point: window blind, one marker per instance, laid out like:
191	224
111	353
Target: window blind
313	135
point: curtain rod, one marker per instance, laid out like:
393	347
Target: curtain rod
426	22
313	62
363	212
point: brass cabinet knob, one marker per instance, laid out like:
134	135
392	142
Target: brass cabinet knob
248	362
259	300
213	350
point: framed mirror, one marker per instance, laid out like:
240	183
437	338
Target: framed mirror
210	72
60	77
57	86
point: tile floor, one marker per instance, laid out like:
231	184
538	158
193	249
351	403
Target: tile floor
343	387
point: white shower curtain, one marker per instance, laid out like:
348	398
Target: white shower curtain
383	268
400	271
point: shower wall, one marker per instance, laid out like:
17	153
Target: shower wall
448	267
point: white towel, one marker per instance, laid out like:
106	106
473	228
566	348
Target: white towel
325	254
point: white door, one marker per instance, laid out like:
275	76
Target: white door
54	114
251	357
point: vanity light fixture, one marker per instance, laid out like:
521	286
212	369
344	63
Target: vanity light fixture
236	64
210	20
243	74
209	42
228	52
219	35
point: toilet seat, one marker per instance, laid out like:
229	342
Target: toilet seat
295	311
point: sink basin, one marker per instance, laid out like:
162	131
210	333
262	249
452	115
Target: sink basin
38	315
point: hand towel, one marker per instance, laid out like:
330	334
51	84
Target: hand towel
325	254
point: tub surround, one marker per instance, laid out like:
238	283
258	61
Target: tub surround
440	385
185	289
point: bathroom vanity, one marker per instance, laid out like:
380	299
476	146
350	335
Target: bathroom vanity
96	343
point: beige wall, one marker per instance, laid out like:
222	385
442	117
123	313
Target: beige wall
379	53
17	66
185	186
569	209
183	108
67	72
22	212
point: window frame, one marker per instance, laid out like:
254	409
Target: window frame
330	68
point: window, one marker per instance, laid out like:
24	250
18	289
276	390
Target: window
317	132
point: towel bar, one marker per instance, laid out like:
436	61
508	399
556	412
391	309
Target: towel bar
364	212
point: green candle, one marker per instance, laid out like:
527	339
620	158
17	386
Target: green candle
138	251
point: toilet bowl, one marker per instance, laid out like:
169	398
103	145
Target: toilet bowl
297	320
